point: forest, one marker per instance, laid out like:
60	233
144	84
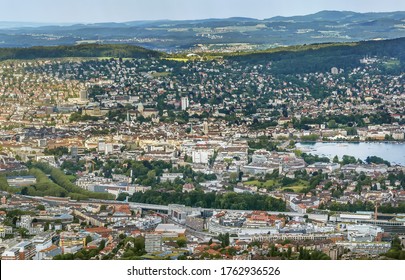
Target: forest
50	182
83	50
322	57
236	201
284	60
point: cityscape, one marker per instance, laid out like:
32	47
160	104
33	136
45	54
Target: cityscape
116	152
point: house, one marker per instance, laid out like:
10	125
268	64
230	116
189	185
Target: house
188	188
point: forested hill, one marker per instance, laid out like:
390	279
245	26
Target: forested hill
84	50
285	60
322	57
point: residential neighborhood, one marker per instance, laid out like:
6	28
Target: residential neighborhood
156	158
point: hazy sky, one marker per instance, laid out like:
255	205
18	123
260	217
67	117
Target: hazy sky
128	10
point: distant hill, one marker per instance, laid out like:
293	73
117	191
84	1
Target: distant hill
340	16
322	57
84	50
284	60
212	34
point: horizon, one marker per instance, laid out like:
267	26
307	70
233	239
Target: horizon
121	11
40	24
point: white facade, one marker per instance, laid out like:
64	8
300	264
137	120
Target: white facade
201	156
42	242
184	103
153	243
26	221
108	148
101	145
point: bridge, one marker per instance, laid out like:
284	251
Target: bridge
145	206
165	209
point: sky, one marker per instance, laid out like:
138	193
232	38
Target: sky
91	11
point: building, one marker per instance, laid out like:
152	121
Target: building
109	148
42	143
21	181
70	241
205	128
101	145
89	218
11	254
42	241
326	167
5	230
202	156
74	151
196	223
48	253
188	188
26	221
24	250
370	169
139	188
179	212
170	177
153	242
170	230
374	248
184	103
398	135
83	95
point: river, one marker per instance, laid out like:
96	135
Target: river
391	151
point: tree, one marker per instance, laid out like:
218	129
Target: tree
349	159
335	159
122	196
182	242
102	245
332	124
240	176
228	162
233	177
377	160
23	232
88	239
289	251
224	238
41	207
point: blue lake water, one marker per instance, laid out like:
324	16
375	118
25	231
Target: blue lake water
390	151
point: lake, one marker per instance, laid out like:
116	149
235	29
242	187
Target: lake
390	151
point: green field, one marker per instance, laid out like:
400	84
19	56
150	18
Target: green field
161	74
267	184
392	63
296	187
180	59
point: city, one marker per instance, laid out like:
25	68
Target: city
115	152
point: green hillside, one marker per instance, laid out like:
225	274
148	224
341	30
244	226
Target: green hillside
321	57
84	50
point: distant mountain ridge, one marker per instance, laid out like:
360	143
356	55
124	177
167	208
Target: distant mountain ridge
187	35
340	16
